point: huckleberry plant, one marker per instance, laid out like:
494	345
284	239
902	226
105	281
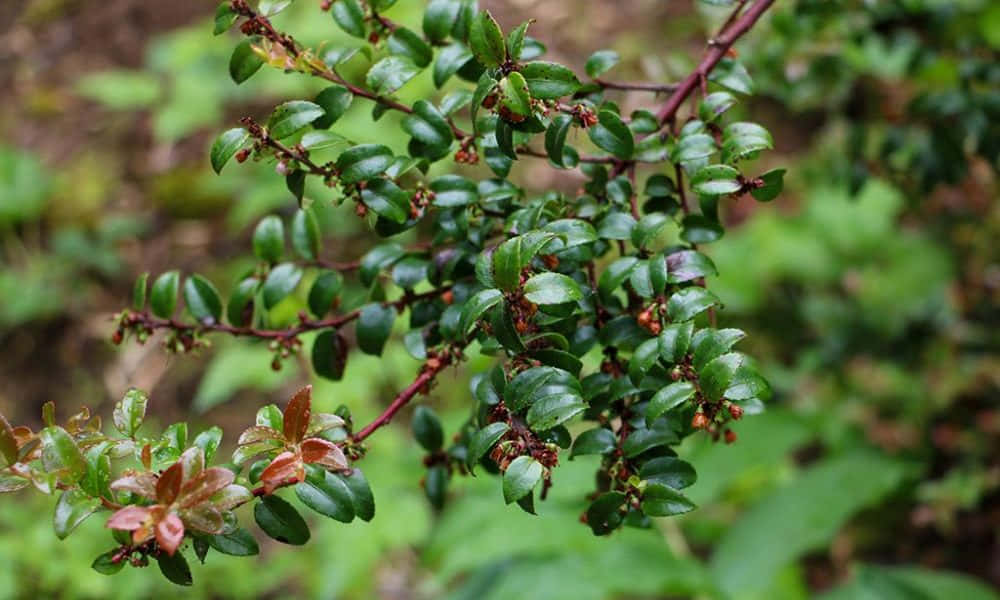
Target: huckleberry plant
542	281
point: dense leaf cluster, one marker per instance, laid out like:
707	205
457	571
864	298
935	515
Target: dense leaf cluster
593	304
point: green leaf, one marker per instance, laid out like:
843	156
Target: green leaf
409	272
105	565
743	147
694	147
549	80
238	543
428	125
350	16
616	226
716	377
8	443
226	146
436	485
714	105
648	229
520	478
361	494
305	234
290	117
279	519
552	288
239	309
555	138
669	471
668	398
615	275
454	190
709	344
224	18
515	40
536	382
325	289
163	294
772	183
139	291
334	100
439	17
716	180
244	62
594	441
552	410
689	303
805	514
600	62
280	282
364	162
486	40
405	42
483	441
387	200
130	412
484	87
604	513
326	494
378	258
515	101
209	441
449	61
391	73
643	439
175	568
321	140
60	453
732	74
659	500
427	429
73	507
269	239
699	229
477	305
374	326
688	265
329	355
612	135
515	254
202	300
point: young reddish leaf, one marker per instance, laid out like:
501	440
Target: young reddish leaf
142	483
285	467
231	496
205	485
168	486
170	533
8	443
296	415
321	452
129	518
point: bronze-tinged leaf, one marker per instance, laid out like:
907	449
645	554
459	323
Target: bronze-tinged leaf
142	483
247	451
77	422
296	416
8	443
321	452
168	485
129	518
259	433
204	486
147	456
170	533
285	467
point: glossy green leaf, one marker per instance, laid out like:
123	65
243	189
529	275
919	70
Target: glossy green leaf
244	62
391	73
483	441
374	326
139	291
428	125
669	471
269	239
604	513
130	412
521	477
226	146
175	568
714	104
60	453
549	80
515	40
512	256
668	398
716	180
105	563
239	309
364	162
439	18
305	234
405	42
427	428
477	306
611	134
280	282
73	507
486	40
555	138
454	190
290	117
238	543
163	294
659	500
202	300
515	99
449	61
325	289
334	100
772	183
733	75
387	199
709	344
350	16
599	440
554	409
552	288
716	377
329	355
600	62
688	265
279	519
689	303
326	494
